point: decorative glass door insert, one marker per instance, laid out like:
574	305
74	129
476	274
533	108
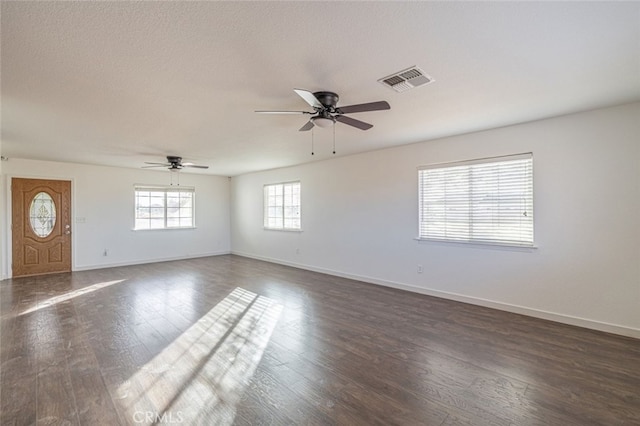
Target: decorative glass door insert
42	214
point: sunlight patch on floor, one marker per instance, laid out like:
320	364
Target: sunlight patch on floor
68	296
200	377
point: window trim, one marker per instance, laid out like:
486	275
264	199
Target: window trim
265	207
166	189
478	241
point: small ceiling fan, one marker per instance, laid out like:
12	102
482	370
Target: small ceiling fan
326	112
174	164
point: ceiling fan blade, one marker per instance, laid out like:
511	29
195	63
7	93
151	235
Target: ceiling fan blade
157	164
194	166
307	126
309	98
284	112
371	106
353	122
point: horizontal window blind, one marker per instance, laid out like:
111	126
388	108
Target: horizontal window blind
162	188
480	201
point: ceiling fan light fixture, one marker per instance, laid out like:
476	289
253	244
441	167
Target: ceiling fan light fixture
323	122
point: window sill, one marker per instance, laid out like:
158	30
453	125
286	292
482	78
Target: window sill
478	244
163	229
282	229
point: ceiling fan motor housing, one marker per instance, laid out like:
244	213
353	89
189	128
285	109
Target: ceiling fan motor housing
328	99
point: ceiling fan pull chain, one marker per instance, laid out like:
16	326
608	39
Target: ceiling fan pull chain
334	137
312	132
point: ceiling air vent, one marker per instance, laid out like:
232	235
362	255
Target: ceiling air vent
406	79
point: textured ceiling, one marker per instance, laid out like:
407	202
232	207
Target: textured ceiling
120	83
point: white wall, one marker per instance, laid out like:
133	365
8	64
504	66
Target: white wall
2	220
359	219
103	196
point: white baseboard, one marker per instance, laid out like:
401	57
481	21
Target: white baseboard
145	261
517	309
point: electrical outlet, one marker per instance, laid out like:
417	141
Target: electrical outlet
419	269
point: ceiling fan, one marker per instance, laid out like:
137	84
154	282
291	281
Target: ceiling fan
174	164
326	112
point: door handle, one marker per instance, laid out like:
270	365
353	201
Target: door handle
67	230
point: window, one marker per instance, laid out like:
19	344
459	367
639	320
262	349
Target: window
480	201
164	207
282	206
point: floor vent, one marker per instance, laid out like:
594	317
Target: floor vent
406	79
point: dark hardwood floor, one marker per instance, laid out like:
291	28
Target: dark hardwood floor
229	340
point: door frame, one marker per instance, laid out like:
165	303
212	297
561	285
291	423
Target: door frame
8	241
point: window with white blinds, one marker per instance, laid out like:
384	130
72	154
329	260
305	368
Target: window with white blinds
486	201
282	206
159	207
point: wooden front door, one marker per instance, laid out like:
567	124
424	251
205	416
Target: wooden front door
41	226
